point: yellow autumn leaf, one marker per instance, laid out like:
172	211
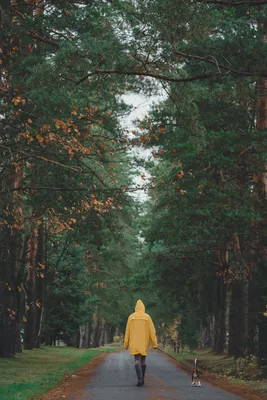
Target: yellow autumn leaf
68	12
40	138
16	100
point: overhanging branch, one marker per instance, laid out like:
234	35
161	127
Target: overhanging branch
229	3
148	74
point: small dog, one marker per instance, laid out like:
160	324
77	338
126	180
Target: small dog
195	377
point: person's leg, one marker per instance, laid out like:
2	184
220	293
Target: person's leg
138	369
143	365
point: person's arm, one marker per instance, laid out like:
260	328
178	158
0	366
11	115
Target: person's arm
127	335
152	334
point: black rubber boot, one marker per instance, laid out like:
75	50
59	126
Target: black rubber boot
144	372
139	375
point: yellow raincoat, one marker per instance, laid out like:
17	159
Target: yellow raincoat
140	331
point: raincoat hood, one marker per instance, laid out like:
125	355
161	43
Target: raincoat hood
140	307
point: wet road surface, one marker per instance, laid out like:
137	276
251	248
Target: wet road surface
115	379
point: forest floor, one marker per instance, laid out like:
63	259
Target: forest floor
243	377
35	372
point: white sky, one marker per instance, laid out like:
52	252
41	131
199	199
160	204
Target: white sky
141	106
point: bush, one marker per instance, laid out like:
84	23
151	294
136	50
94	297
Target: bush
117	339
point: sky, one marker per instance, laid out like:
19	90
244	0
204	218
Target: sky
141	105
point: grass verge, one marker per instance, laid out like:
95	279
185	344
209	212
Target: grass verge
243	372
35	372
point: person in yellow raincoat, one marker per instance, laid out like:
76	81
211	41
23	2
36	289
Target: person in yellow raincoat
140	333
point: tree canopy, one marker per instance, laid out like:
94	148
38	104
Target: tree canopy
77	249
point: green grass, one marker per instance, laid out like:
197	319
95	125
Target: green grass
35	372
208	360
235	372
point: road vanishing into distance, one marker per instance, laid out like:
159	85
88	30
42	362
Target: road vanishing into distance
115	379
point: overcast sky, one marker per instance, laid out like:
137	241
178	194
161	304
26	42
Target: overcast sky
141	106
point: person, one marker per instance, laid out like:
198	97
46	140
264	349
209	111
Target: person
140	333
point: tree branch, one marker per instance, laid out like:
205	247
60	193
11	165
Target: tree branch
212	60
47	160
229	3
36	36
149	74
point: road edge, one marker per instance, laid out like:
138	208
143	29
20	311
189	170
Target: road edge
73	384
243	390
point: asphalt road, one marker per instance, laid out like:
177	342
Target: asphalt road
115	379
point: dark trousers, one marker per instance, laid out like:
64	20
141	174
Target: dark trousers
139	359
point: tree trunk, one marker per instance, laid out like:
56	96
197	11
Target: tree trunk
82	344
227	318
238	334
39	287
221	331
221	308
260	192
48	339
30	323
9	317
103	333
8	326
110	331
96	333
88	335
